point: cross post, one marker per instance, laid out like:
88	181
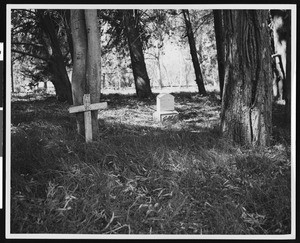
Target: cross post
86	108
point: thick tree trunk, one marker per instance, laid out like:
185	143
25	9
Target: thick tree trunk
288	82
61	90
220	50
93	71
69	33
246	115
141	79
78	29
193	50
57	61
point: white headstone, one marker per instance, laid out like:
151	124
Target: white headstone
165	102
165	108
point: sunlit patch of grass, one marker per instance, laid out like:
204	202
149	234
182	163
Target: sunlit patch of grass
141	177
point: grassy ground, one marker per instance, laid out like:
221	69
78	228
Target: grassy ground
140	177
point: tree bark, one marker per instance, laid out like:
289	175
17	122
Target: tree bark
78	29
57	62
12	76
69	32
93	71
141	78
246	114
193	51
219	44
287	94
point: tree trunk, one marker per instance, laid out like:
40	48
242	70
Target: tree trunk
12	76
288	80
103	78
141	79
220	50
193	50
93	62
246	115
58	63
158	58
79	64
69	33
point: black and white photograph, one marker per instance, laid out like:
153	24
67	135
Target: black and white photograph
150	121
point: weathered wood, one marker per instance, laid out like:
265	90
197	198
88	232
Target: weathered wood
93	64
87	118
87	108
79	63
81	108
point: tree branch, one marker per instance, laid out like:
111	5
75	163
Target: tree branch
23	25
29	11
29	54
151	54
28	44
22	30
107	17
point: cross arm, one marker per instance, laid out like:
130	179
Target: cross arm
82	108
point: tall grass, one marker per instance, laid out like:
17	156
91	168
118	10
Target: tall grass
140	177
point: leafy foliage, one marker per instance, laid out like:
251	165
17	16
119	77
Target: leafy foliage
162	32
31	44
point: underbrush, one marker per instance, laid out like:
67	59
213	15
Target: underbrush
140	177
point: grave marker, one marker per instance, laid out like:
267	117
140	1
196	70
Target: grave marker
165	109
87	107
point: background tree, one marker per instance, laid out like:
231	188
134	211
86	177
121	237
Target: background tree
158	25
218	26
56	61
38	37
142	81
162	35
193	51
246	115
166	51
127	37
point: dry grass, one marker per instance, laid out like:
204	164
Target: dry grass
140	177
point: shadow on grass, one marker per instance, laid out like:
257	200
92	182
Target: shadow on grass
141	177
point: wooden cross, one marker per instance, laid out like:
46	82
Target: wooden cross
87	107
